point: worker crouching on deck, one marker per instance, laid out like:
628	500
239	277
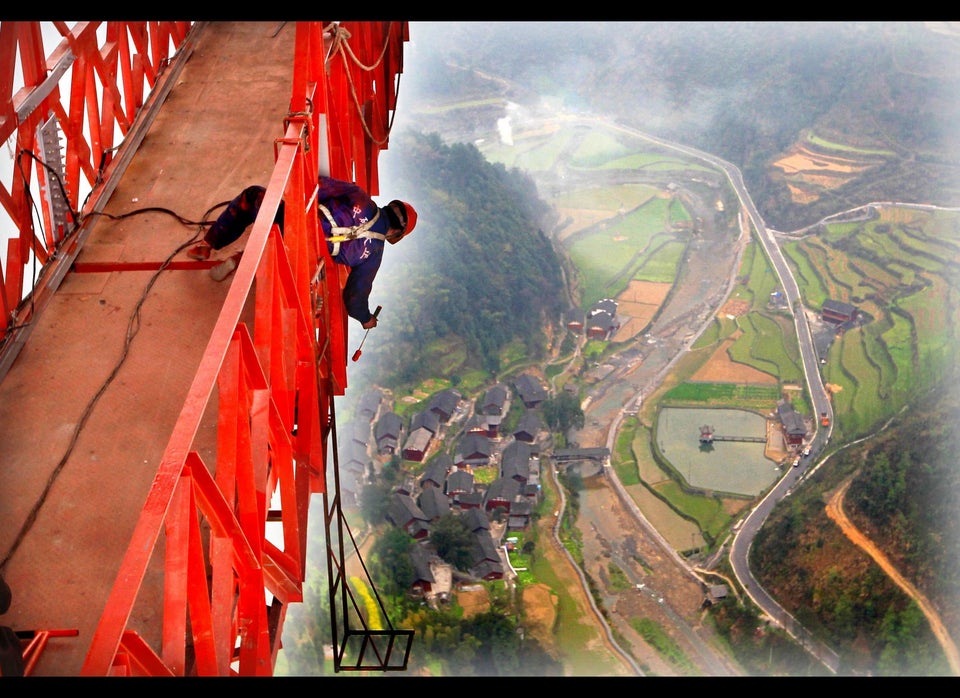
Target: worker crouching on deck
354	225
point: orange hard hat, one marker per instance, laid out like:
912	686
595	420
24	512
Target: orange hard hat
406	215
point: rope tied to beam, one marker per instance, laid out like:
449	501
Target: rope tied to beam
340	45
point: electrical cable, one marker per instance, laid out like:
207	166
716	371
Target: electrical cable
133	327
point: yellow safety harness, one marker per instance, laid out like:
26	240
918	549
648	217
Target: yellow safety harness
340	233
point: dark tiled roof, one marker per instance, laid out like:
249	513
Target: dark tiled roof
476	520
515	460
425	420
355	431
389	424
445	402
471	501
418	441
435	472
605	305
529	389
504	489
402	510
369	404
567	454
529	425
459	481
494	400
484	548
434	503
839	307
474	445
421	565
353	453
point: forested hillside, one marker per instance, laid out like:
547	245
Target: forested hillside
904	495
477	274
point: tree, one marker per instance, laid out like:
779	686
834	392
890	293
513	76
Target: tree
562	412
374	498
481	274
453	541
498	654
391	563
308	631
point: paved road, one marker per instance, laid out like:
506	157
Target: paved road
710	271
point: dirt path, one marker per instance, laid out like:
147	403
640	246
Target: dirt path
837	515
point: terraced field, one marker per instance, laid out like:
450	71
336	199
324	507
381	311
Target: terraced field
901	268
813	166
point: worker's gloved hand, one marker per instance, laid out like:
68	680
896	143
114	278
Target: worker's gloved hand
370	324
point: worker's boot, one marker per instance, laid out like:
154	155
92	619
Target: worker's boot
199	252
226	267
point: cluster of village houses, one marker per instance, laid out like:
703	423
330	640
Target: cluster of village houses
447	482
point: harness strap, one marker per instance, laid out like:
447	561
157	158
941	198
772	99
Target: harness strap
342	233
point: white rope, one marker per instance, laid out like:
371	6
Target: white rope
341	36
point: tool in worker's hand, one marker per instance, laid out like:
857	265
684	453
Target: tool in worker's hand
357	353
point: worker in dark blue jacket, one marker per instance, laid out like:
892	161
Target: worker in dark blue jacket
354	225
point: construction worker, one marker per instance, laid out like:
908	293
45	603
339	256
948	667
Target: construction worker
354	225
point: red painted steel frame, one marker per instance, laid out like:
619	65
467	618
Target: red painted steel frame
274	389
122	69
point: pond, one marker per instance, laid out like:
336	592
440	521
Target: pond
738	467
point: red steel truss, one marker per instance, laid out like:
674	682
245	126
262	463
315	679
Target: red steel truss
271	379
122	70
